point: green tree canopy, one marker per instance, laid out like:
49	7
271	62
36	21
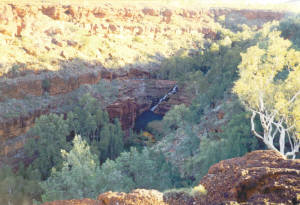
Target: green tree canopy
16	189
92	123
77	178
48	138
269	87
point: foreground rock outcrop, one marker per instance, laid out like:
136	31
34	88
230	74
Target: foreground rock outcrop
259	177
136	197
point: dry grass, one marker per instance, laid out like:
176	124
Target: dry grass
36	49
293	6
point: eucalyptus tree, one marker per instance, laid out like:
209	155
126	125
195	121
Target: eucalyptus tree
77	177
269	86
48	137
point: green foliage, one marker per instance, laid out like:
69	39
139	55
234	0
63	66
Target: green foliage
173	67
92	123
290	28
176	117
111	143
209	73
269	86
147	169
236	140
108	89
18	189
77	177
48	137
156	128
81	177
51	134
46	84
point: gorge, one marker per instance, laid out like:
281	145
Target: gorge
151	86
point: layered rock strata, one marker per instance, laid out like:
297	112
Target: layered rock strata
132	97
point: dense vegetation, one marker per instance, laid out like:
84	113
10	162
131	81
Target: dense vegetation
83	154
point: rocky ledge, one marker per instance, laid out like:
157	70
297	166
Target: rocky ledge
136	197
259	177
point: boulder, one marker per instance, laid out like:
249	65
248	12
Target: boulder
136	197
150	11
53	12
73	202
256	178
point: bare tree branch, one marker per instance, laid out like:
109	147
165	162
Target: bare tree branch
253	126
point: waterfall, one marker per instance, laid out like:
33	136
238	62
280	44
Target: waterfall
172	92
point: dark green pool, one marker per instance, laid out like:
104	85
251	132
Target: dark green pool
146	117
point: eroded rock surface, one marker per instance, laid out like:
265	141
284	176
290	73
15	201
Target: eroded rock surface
257	177
74	202
136	197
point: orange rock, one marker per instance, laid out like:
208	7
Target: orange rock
53	12
221	115
167	13
125	110
21	12
257	177
99	13
112	28
56	42
136	197
150	12
6	14
73	202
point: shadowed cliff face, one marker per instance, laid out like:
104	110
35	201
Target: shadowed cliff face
255	178
133	96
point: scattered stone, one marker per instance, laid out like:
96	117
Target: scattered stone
72	43
56	42
150	12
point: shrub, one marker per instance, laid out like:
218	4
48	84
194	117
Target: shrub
46	83
199	190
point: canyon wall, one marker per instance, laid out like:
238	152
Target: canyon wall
134	97
46	58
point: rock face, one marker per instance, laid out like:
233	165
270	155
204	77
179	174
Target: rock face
136	197
257	177
74	202
134	97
